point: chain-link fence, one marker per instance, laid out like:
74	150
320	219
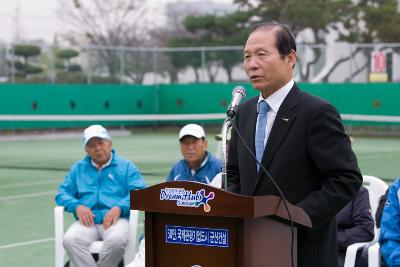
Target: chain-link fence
336	63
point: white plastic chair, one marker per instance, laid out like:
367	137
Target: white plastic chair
97	245
217	181
376	188
374	256
140	257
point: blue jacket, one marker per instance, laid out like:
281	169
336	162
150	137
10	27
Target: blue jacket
389	239
100	190
205	174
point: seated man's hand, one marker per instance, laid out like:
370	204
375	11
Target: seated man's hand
85	215
111	217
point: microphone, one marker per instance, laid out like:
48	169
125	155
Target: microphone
238	94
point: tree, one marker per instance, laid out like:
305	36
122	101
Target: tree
363	21
211	30
26	51
67	55
369	21
318	16
165	36
382	18
107	23
181	60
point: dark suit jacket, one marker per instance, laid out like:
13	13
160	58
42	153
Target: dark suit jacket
310	157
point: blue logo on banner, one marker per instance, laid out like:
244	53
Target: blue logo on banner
197	236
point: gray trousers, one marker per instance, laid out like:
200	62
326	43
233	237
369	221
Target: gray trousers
79	237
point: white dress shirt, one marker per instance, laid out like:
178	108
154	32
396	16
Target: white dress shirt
274	101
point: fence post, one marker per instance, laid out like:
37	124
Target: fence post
121	65
89	68
203	63
351	63
12	64
155	69
52	70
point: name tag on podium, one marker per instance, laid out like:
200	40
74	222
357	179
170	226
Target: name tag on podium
197	236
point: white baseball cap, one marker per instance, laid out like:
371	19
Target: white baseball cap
95	131
192	130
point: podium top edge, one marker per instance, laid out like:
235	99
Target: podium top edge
193	198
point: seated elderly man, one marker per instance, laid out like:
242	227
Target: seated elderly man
96	191
197	164
354	224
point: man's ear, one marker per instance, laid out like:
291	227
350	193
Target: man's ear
292	57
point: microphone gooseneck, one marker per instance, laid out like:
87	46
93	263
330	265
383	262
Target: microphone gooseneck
238	93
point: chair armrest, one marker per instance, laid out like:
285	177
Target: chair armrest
374	256
376	234
59	235
351	253
131	246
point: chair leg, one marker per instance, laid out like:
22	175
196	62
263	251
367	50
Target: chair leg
95	256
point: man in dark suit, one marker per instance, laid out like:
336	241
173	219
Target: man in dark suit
298	138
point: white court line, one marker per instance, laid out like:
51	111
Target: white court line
38	241
29	195
16	185
27	243
159	170
29	184
167	117
116	117
154	171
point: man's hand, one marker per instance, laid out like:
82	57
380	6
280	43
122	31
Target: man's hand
111	217
85	215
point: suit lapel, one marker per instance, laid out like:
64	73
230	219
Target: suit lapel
250	132
283	121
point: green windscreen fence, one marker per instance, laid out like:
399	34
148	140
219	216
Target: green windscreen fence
28	106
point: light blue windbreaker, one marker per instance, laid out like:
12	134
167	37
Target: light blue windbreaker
100	190
389	239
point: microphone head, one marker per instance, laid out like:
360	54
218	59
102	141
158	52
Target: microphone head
238	94
239	89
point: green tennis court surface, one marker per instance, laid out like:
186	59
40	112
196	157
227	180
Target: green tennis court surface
30	171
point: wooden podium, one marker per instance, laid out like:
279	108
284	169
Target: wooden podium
191	224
